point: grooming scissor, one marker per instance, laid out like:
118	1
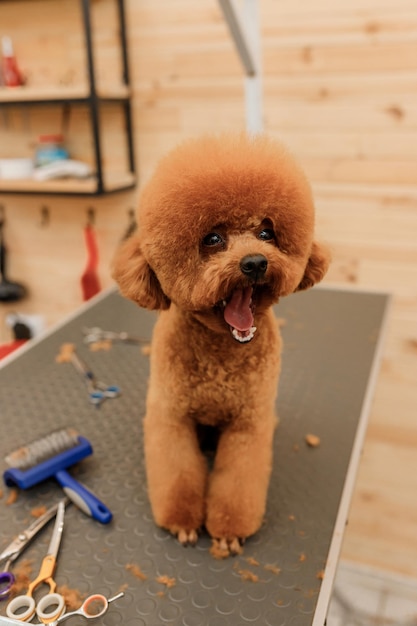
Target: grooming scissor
52	605
97	390
93	606
95	334
16	547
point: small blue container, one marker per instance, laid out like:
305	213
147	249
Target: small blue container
50	148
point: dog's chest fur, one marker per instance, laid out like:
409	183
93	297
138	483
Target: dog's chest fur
209	377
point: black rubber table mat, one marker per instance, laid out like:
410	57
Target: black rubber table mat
284	576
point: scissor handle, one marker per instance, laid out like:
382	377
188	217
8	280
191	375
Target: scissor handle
6	583
45	575
92	607
49	608
21	608
111	391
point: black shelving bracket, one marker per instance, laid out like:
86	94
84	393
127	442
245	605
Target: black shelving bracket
93	102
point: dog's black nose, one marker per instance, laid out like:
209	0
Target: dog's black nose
254	266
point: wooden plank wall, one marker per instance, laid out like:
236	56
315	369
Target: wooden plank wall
340	87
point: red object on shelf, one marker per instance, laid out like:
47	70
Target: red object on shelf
54	138
10	70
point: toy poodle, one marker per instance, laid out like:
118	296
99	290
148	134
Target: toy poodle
225	229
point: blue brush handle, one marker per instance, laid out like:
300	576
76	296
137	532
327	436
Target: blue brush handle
83	498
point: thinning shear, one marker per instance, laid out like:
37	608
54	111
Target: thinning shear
52	605
98	391
17	546
96	334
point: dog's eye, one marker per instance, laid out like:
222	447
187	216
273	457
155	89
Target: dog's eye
267	234
213	239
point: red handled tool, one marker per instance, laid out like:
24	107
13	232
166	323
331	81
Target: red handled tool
90	282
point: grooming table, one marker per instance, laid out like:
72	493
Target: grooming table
332	348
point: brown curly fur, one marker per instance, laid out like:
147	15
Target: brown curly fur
254	196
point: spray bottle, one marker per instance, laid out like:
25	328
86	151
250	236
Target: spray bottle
11	74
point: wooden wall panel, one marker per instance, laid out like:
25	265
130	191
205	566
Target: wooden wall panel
340	89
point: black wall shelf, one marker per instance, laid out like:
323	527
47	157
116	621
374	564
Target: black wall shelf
93	98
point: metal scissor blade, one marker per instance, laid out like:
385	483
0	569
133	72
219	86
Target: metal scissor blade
82	367
25	537
57	532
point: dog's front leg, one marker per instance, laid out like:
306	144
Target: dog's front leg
238	485
176	474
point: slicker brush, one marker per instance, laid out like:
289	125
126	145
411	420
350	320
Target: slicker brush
49	457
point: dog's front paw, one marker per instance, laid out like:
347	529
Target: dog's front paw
187	537
223	548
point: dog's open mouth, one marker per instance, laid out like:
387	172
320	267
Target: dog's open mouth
238	314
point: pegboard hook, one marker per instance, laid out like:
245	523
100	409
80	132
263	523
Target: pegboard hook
132	224
45	216
91	216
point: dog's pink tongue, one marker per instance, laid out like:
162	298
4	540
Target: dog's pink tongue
237	312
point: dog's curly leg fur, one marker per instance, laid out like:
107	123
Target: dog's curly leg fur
238	484
177	476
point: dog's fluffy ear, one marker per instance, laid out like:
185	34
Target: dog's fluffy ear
136	279
316	268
